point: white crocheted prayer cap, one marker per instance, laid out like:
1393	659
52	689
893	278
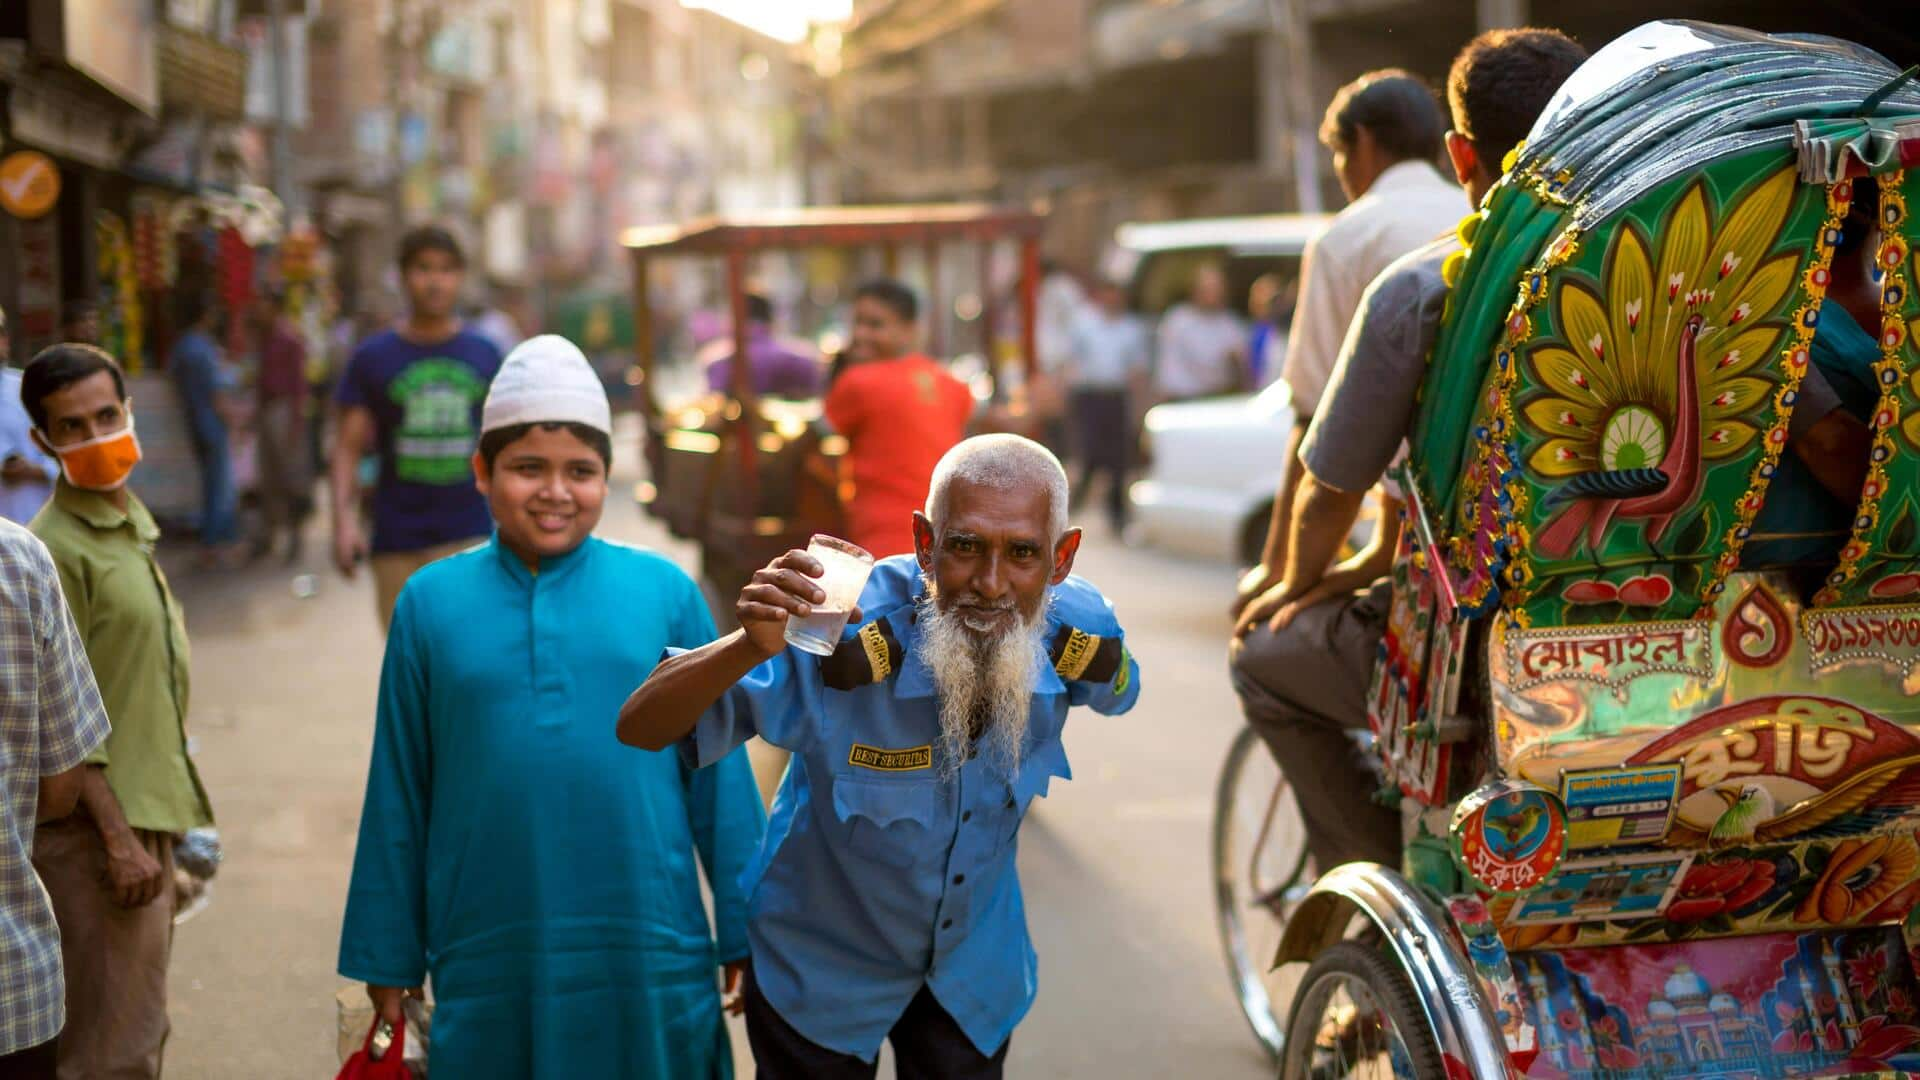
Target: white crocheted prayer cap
546	380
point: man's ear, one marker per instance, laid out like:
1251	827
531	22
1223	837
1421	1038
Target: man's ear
923	541
482	476
1063	555
1464	156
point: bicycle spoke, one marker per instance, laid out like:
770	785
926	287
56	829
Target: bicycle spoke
1354	1038
1259	853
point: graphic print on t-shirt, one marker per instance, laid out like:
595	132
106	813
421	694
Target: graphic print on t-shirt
436	437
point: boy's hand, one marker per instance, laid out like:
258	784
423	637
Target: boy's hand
783	589
735	1000
389	1002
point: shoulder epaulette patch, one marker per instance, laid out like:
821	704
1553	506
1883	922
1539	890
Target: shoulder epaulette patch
870	656
1082	657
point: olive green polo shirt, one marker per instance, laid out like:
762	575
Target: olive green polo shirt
136	640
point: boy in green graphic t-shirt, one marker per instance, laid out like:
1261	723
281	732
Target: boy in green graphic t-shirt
412	394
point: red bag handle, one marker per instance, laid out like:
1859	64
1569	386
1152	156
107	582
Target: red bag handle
364	1065
398	1047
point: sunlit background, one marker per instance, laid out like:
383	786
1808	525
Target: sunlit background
787	20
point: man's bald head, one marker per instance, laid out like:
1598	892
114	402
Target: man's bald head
1005	462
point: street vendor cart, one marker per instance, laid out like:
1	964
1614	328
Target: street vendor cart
747	477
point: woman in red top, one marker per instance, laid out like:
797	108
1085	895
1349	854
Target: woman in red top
900	411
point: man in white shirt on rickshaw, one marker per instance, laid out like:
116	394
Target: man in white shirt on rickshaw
1304	647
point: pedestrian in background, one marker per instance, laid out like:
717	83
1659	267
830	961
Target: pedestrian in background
1110	352
1385	130
51	719
26	472
1270	306
1203	344
207	393
497	320
1061	302
280	396
412	395
899	410
544	875
109	868
79	320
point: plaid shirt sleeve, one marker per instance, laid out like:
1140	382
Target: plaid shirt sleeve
73	722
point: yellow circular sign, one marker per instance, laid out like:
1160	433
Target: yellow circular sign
29	184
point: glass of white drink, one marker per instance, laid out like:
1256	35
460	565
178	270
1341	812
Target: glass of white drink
847	566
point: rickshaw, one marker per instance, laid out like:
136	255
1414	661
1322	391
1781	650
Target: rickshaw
1662	809
746	477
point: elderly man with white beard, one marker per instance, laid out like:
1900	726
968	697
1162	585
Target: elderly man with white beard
885	904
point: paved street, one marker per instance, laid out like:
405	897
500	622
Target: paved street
1114	863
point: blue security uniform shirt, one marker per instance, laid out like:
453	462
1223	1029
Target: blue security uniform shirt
874	882
544	874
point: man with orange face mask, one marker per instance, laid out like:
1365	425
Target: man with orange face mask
109	868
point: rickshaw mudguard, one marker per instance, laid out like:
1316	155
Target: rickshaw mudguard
1419	937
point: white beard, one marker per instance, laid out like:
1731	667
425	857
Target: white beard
992	678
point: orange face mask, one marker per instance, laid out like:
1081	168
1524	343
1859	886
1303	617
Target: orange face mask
101	464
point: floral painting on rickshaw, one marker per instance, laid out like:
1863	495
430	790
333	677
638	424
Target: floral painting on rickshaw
1650	395
1780	1005
1830	882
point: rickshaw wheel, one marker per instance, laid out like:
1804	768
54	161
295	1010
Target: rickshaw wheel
1357	1015
1260	869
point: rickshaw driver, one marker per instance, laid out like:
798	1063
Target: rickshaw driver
1303	651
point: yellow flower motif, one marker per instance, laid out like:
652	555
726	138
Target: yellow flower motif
1608	386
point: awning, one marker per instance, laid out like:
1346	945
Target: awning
837	226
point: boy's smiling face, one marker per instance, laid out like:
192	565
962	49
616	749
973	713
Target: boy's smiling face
546	491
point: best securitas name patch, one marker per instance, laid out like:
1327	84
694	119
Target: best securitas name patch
872	757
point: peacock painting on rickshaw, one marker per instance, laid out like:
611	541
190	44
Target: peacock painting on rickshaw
1649	693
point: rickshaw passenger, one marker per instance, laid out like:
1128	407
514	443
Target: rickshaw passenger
1304	650
1810	504
777	367
1385	130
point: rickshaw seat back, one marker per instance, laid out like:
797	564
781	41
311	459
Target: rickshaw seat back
1609	399
1606	409
1624	741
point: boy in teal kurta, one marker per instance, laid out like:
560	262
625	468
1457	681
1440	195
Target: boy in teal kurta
539	870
